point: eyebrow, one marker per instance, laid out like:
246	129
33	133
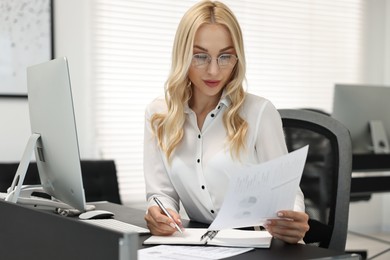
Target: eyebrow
222	50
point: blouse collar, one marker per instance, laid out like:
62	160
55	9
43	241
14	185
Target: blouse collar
225	100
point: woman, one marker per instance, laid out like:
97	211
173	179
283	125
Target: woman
206	124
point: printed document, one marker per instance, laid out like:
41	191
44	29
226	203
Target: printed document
257	192
189	252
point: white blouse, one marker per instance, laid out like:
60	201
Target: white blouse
198	175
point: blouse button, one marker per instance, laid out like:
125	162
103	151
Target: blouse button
212	211
198	160
202	187
199	136
219	107
212	115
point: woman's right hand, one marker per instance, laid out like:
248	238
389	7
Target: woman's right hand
159	224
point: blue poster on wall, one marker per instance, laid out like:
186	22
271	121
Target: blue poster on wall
25	40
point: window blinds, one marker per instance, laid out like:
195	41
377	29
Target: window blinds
296	51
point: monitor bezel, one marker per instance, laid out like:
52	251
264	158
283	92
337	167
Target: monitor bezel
52	117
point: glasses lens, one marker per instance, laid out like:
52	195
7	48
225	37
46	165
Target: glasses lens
226	60
200	60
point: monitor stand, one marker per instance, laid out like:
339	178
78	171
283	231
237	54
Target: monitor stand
379	137
23	194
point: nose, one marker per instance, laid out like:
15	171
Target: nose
213	67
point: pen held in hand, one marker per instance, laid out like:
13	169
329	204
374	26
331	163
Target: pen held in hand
167	213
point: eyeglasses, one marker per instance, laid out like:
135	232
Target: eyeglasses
202	60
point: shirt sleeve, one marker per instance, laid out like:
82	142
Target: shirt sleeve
157	182
271	143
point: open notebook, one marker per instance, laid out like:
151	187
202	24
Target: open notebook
226	237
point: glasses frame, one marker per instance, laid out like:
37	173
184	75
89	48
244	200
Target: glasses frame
210	59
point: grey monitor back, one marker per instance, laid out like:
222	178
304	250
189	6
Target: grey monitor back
52	117
355	106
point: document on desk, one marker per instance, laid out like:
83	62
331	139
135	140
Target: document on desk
165	252
257	192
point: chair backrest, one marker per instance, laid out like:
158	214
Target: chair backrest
99	179
326	179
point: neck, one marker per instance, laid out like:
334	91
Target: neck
203	105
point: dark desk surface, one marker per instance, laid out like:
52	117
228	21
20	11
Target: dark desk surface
373	181
278	249
29	233
371	162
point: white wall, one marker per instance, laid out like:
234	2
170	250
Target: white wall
72	39
14	128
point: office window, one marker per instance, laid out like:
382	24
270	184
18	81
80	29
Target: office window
296	52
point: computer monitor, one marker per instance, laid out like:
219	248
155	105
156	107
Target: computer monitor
54	135
365	111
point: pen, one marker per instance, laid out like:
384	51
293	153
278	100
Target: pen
209	235
167	213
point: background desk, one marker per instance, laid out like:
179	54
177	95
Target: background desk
278	250
371	174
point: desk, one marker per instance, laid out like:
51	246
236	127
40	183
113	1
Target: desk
278	250
27	233
370	162
370	174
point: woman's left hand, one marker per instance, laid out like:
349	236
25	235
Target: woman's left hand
291	227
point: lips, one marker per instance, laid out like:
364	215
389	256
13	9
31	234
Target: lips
212	83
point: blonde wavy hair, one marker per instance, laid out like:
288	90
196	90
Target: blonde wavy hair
168	127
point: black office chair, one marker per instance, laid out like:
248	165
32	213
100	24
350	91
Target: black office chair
326	178
99	179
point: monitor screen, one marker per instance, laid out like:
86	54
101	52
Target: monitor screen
52	117
365	111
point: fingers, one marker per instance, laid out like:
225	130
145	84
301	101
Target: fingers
291	227
159	224
295	215
177	219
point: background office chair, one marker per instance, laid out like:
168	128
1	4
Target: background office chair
326	178
99	179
